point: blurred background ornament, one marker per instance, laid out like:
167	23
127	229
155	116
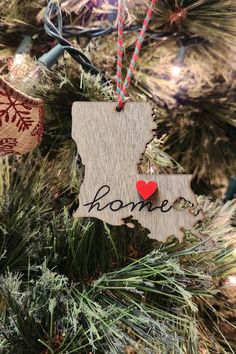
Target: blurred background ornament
21	121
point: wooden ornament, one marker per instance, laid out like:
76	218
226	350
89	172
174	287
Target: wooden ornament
21	121
111	145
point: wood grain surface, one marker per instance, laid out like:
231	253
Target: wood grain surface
111	144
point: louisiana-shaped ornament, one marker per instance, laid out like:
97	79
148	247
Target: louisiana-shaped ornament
21	121
111	144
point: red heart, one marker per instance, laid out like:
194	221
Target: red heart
146	189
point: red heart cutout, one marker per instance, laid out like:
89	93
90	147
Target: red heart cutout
146	189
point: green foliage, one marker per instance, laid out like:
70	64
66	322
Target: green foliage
84	249
107	317
21	213
154	303
24	215
211	19
19	11
63	87
79	286
97	298
203	130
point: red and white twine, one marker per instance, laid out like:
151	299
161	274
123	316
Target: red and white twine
122	88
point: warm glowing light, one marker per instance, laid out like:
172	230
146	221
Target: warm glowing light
176	70
231	280
204	351
18	60
16	67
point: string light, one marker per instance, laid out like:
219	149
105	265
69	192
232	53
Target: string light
176	70
19	58
231	280
60	32
25	74
185	42
53	11
178	62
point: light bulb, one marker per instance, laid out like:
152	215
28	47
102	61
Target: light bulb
178	62
18	59
26	74
231	280
176	70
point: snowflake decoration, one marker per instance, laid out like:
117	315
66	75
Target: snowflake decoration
7	146
14	111
21	121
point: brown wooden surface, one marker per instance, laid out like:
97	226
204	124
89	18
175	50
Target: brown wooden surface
111	144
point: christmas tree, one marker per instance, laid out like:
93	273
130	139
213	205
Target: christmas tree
80	285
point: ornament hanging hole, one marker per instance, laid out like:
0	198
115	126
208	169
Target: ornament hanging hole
119	109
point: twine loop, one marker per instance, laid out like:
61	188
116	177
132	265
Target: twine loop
121	88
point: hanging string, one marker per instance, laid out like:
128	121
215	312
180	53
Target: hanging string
122	88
